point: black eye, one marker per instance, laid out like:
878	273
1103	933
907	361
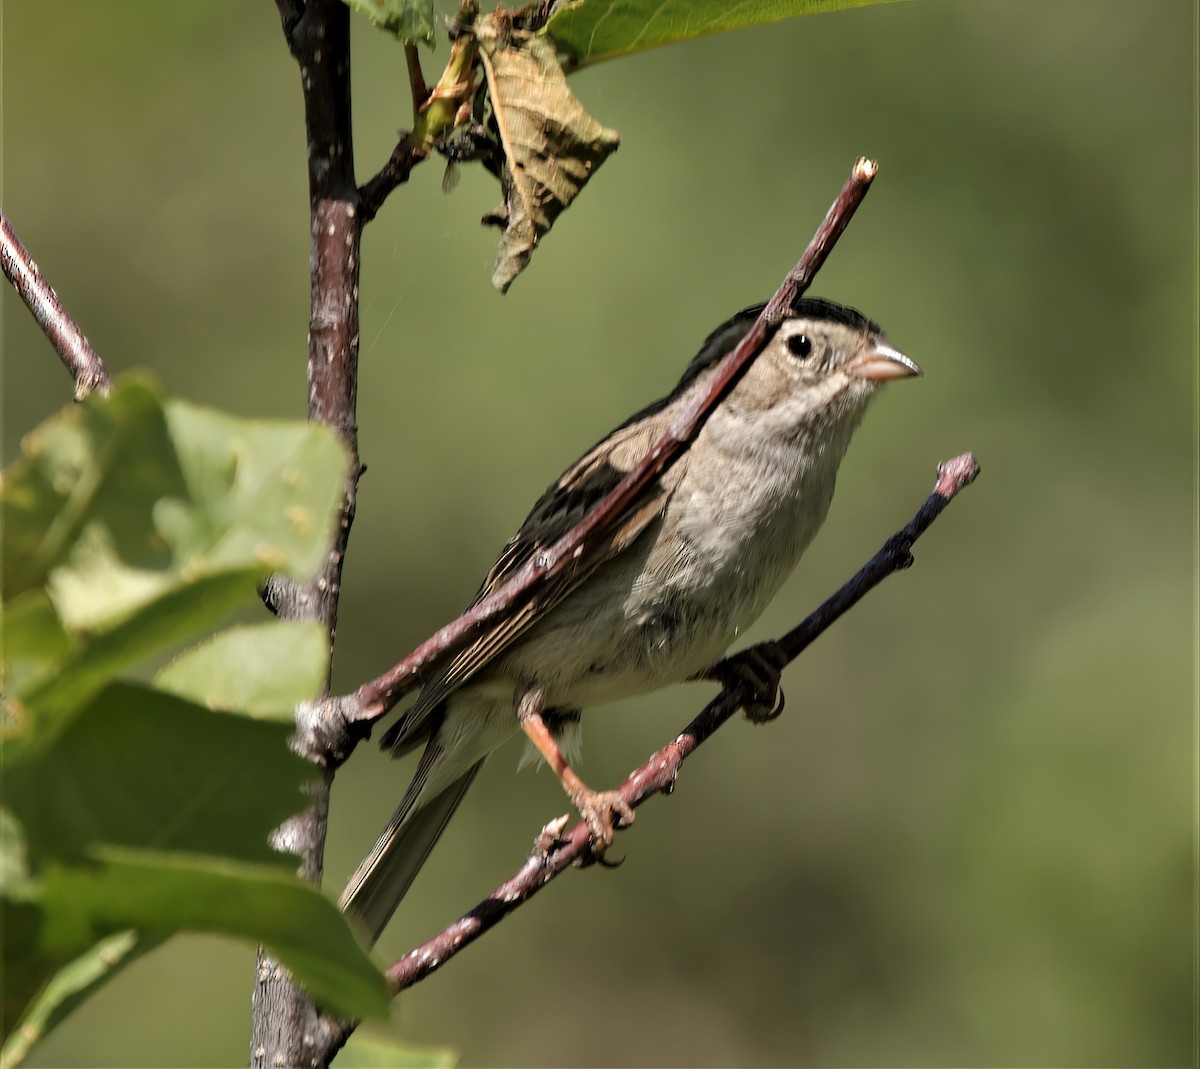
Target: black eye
799	346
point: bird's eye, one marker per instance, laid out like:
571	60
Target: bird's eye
799	346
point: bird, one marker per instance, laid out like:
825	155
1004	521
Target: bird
681	574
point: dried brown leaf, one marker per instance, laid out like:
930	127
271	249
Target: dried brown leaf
551	145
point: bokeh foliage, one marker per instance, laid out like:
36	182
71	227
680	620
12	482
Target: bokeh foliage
134	811
969	840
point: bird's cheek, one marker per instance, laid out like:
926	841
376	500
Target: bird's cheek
798	382
858	390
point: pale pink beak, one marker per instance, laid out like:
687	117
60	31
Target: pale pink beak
880	362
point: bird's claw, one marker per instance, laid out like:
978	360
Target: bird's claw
604	813
758	668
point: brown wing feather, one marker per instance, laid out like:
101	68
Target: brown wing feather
562	506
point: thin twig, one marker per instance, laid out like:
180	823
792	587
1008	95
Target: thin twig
416	77
555	850
86	368
395	172
340	722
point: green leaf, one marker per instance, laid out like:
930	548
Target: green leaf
261	492
105	462
589	31
377	1052
40	989
410	20
46	706
147	524
130	527
14	858
86	923
34	640
140	768
261	670
162	894
69	986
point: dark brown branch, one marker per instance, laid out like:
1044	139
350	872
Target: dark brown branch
555	850
76	352
338	724
288	1028
395	172
290	12
896	555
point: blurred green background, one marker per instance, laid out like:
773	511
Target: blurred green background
970	840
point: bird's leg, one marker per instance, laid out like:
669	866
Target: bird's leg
604	811
758	668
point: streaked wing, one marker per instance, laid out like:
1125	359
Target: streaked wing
562	506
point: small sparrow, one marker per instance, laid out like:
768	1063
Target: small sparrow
685	571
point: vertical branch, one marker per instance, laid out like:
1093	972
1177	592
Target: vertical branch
288	1029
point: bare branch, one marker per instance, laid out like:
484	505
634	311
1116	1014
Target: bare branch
347	719
290	12
288	1028
953	476
555	850
86	368
395	172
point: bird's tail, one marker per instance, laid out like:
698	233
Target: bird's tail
383	879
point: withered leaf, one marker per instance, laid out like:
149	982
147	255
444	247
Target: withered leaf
551	145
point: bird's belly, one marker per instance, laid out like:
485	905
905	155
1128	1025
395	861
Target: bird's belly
671	604
618	640
576	672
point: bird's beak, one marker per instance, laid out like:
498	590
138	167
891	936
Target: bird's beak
880	362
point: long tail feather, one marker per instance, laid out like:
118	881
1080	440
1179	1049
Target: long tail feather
383	879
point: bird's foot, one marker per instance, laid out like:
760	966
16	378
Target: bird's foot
604	812
758	668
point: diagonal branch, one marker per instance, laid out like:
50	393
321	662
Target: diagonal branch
86	368
336	725
405	156
555	850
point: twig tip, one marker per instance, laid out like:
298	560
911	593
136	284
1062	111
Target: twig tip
865	169
955	474
89	382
